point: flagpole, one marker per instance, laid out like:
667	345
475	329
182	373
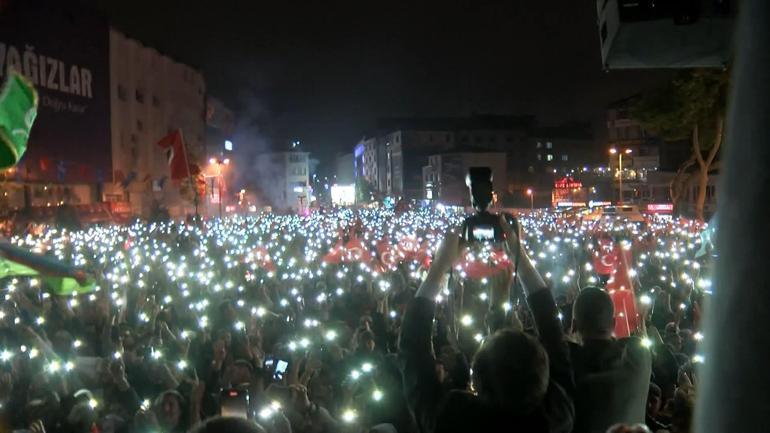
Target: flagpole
189	174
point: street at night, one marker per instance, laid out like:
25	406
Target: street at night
419	218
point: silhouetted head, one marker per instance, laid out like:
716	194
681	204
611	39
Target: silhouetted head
221	424
366	342
510	371
594	314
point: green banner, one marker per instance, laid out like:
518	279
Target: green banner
9	268
18	109
64	286
61	286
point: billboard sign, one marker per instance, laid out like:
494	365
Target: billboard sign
343	195
65	54
660	208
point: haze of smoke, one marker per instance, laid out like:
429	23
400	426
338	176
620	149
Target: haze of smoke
254	173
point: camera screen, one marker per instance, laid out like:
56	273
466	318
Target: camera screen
280	369
484	233
234	403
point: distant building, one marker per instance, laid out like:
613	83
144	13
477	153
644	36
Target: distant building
551	153
65	52
444	176
392	159
284	179
105	102
151	95
366	161
344	169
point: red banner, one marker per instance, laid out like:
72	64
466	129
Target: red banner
605	257
621	291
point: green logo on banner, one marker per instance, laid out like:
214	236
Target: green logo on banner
18	109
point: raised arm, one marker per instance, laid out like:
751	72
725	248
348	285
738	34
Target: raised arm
421	383
544	310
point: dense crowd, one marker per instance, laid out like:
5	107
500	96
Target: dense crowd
356	320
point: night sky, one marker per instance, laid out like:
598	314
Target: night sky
323	71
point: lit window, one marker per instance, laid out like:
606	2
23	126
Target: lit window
549	157
564	157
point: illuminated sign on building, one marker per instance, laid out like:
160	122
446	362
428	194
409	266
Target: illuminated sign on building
343	195
661	207
567	183
599	203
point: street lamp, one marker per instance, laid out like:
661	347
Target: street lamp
531	195
620	153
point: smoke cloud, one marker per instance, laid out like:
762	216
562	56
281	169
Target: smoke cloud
252	140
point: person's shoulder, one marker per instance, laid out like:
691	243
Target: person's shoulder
634	349
463	411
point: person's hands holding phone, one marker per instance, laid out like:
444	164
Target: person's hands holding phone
299	398
449	251
118	375
219	354
512	235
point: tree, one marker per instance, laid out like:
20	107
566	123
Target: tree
691	106
364	190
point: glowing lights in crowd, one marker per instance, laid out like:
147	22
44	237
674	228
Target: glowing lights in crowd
307	264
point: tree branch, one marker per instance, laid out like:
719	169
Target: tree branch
675	186
717	141
696	147
682	185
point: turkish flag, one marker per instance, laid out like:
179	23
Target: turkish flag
386	252
356	251
423	256
605	257
621	291
498	262
44	163
408	248
176	155
334	256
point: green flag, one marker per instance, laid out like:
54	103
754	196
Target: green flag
64	286
18	109
10	268
61	286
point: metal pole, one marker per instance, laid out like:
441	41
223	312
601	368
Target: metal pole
189	173
532	202
620	175
219	188
732	390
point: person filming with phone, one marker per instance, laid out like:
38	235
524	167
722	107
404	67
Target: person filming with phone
519	382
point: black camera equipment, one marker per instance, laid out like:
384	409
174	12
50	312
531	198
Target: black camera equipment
483	226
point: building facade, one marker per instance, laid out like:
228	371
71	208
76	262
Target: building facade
393	158
551	153
66	57
444	176
105	101
366	161
151	95
285	180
